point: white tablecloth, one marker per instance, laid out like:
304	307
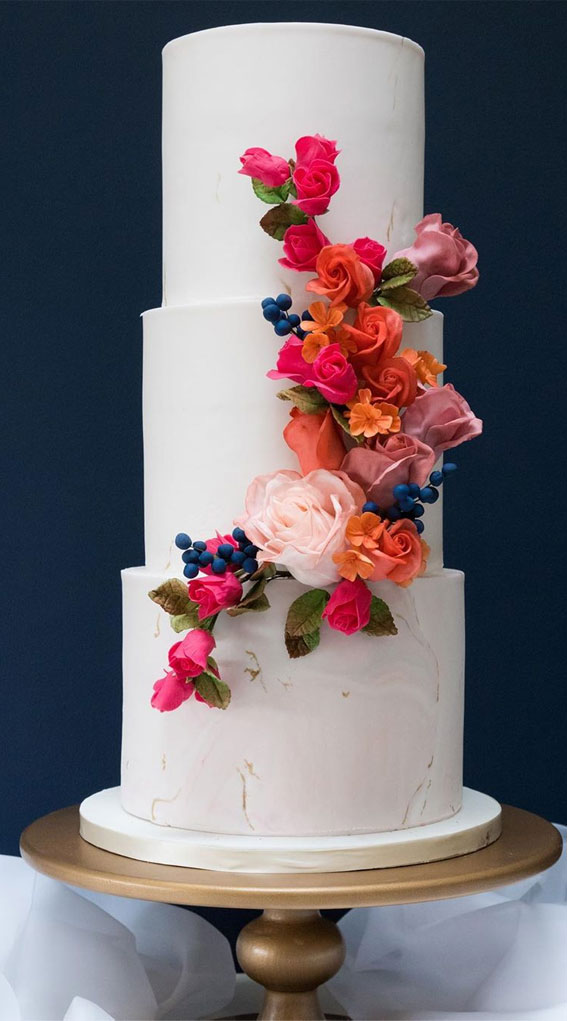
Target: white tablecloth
72	955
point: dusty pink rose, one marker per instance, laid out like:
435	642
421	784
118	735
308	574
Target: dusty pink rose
445	260
302	244
315	147
442	419
348	609
171	691
372	254
188	658
402	458
333	376
272	171
300	521
315	185
218	592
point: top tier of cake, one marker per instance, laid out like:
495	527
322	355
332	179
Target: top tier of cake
266	85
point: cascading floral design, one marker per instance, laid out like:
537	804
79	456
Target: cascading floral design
368	421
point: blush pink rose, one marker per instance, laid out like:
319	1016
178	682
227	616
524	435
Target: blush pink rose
445	260
331	373
402	458
315	185
171	691
216	593
348	609
300	521
372	254
400	554
302	244
272	171
188	658
441	418
315	147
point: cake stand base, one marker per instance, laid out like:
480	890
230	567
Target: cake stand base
104	823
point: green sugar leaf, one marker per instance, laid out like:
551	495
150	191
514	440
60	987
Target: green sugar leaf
172	597
397	268
276	221
306	398
407	303
343	422
302	645
304	614
271	195
185	621
214	691
254	606
381	621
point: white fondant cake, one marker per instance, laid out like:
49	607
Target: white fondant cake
365	736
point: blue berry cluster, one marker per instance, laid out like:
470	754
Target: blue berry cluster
195	555
409	498
276	311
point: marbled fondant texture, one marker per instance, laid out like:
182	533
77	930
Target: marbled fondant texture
363	735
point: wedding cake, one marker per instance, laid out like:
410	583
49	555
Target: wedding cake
294	647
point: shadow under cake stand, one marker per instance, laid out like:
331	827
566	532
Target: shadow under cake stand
290	949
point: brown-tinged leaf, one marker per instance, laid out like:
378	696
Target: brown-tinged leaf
381	621
276	221
172	597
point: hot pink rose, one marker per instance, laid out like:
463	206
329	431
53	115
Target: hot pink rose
272	171
302	244
216	593
188	658
300	522
333	376
372	254
442	419
212	547
171	691
402	458
348	609
315	147
315	185
445	260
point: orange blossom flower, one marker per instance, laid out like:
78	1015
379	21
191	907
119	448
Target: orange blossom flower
425	364
352	563
365	530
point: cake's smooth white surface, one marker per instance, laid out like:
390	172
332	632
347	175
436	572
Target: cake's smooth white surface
362	736
230	88
212	421
104	822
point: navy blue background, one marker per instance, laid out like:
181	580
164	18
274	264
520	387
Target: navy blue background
81	239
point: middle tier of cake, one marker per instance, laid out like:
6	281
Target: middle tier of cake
212	421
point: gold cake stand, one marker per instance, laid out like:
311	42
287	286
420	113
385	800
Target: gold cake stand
290	949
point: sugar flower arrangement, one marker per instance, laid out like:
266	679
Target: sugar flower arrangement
368	422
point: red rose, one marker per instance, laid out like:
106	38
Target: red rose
302	244
215	593
372	254
315	147
348	609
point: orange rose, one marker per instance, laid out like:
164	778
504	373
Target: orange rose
377	333
400	555
342	277
393	380
315	439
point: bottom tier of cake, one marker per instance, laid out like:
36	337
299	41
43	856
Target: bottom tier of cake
362	736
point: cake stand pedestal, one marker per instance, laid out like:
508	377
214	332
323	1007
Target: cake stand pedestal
290	949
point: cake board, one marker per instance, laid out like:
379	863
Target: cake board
290	949
104	823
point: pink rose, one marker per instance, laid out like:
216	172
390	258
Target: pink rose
348	609
171	691
272	171
315	185
333	376
300	521
188	658
445	260
402	458
212	547
302	244
442	419
315	147
216	593
372	254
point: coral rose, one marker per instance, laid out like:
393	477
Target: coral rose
393	380
342	276
372	254
377	333
315	147
315	184
445	260
401	458
272	171
299	522
302	244
315	439
399	556
348	609
216	593
442	419
188	658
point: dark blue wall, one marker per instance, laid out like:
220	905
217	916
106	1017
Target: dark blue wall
81	259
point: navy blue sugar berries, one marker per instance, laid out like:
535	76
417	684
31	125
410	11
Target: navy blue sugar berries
182	540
